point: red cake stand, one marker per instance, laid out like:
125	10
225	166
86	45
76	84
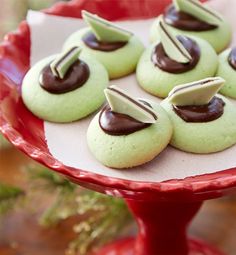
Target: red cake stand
163	210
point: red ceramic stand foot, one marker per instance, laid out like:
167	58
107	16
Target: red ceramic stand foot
162	231
126	247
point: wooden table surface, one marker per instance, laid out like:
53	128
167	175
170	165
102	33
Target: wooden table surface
21	235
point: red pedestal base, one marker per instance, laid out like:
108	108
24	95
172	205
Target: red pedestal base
126	247
162	231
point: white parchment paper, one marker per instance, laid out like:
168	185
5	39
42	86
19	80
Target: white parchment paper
67	142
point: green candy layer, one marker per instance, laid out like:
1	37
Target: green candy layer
197	9
121	102
118	63
61	64
105	30
196	93
173	47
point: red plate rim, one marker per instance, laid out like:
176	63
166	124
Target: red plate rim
11	50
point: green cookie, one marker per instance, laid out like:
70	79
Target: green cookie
226	71
207	137
219	38
159	83
69	106
131	150
118	63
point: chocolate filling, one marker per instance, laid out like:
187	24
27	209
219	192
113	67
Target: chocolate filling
75	77
201	113
160	59
232	58
91	41
117	124
185	21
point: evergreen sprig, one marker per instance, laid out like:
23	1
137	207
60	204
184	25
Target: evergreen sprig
64	205
106	218
9	197
103	217
47	178
3	142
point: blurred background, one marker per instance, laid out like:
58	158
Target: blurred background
13	11
40	212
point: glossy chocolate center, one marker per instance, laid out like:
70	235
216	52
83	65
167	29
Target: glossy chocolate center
201	113
185	21
160	59
114	123
91	41
232	58
75	77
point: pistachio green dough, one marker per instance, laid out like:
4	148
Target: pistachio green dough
159	83
219	38
70	106
226	71
130	150
118	63
206	137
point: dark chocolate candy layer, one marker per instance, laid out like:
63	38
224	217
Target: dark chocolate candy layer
185	21
232	58
119	124
160	59
75	77
201	113
91	41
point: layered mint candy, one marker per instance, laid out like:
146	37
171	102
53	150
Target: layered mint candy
204	121
116	48
174	60
128	132
193	18
65	87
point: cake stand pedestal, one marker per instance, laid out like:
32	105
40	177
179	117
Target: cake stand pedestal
162	231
